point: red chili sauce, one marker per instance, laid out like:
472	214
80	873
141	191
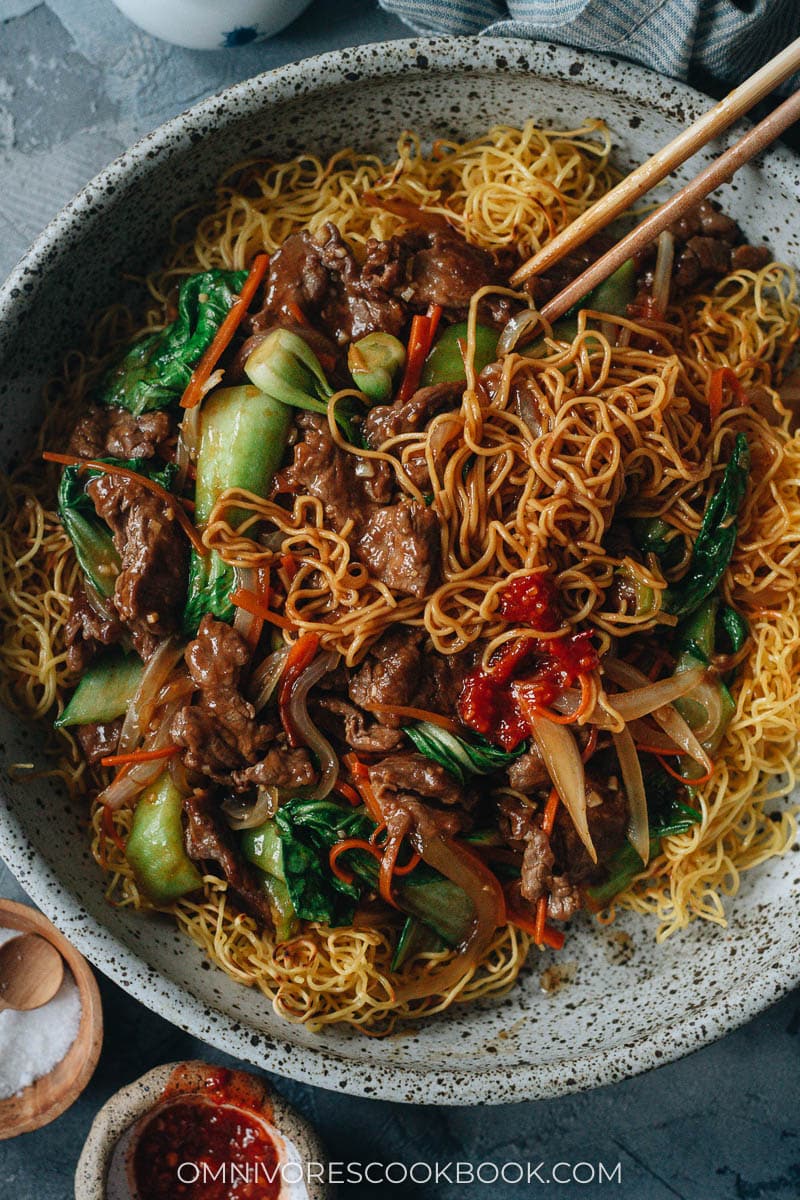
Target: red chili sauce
195	1150
487	703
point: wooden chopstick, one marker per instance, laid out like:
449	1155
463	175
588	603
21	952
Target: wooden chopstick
664	161
711	177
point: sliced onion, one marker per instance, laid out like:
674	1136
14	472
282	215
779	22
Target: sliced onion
141	708
645	697
266	677
467	871
297	712
666	716
514	328
243	622
127	785
247	814
662	276
568	701
562	758
631	768
649	735
709	697
188	445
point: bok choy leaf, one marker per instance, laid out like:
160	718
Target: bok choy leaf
458	756
155	371
716	539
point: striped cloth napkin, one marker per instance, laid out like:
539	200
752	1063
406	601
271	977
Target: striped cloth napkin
729	39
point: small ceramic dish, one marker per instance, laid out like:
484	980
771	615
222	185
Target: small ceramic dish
106	1171
208	25
46	1098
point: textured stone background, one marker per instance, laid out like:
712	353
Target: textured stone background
78	84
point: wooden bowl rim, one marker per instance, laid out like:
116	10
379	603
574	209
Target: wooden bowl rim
15	1115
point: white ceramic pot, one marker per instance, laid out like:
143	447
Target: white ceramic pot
209	24
613	1018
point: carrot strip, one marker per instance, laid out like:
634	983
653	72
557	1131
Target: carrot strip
360	773
541	920
139	756
299	657
72	460
349	844
349	793
250	602
716	390
110	830
289	564
434	315
419	343
546	936
195	389
411	865
415	714
297	313
695	782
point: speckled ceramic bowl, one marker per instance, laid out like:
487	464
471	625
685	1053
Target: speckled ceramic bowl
629	1004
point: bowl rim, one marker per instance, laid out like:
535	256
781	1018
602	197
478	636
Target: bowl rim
320	1064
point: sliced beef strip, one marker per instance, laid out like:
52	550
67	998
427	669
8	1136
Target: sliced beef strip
522	828
410	416
607	815
151	585
391	673
415	775
321	469
97	741
321	277
543	287
86	631
350	725
528	772
219	731
442	681
209	841
446	270
281	767
116	433
399	543
404	813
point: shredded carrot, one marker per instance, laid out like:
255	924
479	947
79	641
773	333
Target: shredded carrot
419	344
434	315
110	829
250	602
716	391
377	831
546	936
590	746
411	865
289	564
349	844
139	756
684	779
562	718
548	822
196	387
350	794
299	657
72	460
296	311
360	773
415	714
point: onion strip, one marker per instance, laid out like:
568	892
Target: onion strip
631	768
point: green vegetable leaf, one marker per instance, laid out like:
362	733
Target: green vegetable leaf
654	536
155	371
461	758
716	539
91	537
308	830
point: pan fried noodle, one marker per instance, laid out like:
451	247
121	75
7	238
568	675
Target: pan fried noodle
526	476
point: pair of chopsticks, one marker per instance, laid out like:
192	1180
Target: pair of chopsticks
645	177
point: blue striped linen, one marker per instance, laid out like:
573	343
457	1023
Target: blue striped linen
727	39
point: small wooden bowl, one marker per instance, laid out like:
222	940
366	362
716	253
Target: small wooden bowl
46	1098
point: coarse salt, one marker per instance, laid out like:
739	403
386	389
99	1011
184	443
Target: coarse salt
32	1043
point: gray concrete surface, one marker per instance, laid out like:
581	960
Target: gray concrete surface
77	84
